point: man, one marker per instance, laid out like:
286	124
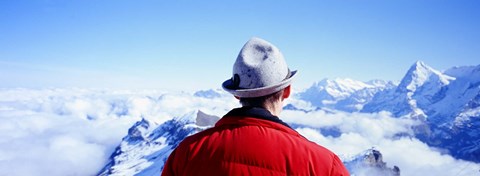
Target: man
252	140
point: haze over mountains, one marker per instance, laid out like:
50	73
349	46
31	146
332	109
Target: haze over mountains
425	124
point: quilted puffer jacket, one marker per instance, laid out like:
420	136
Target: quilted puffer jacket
251	141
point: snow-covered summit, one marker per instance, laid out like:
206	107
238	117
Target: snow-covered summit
138	132
381	83
147	146
340	88
447	102
343	94
420	87
419	74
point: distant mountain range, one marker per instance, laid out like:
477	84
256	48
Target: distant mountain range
343	94
446	103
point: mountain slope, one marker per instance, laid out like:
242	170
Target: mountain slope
447	103
420	87
147	146
455	120
343	94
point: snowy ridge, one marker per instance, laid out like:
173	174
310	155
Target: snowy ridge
337	88
343	94
447	103
420	74
469	72
418	89
146	147
460	96
448	106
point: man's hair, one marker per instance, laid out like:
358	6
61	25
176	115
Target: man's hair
261	101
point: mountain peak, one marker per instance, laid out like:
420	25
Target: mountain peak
419	73
146	148
420	63
138	131
343	84
343	93
420	67
370	162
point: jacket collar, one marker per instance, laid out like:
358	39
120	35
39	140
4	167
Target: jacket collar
255	112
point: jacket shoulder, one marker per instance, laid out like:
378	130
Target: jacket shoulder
253	144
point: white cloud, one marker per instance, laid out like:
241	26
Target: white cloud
361	131
47	132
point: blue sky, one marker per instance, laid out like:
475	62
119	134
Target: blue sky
192	45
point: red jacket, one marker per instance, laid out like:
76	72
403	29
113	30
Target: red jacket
251	141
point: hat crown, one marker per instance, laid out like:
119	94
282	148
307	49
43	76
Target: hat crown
259	64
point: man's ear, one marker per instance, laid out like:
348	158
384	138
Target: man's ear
286	92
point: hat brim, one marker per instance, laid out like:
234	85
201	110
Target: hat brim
258	92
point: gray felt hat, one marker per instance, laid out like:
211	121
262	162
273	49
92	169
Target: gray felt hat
259	70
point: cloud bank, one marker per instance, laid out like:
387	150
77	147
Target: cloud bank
73	131
391	136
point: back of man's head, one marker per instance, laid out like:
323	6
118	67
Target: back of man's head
263	101
260	74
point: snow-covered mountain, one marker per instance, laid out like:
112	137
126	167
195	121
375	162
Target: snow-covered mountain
147	146
447	103
419	88
370	162
454	120
343	94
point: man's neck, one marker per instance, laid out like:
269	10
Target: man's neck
274	108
